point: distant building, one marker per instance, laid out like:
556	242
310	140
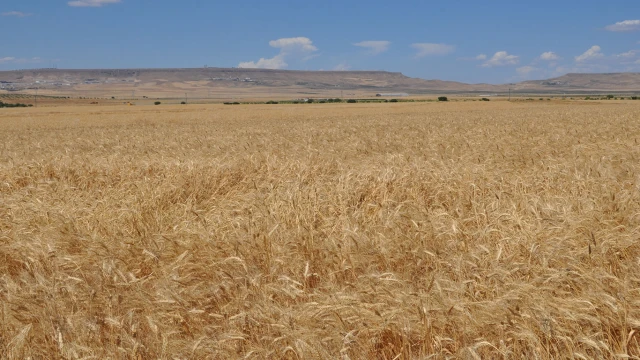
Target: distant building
392	94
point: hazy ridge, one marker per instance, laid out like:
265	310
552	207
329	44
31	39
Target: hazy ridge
290	81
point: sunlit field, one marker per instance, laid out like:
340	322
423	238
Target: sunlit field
472	230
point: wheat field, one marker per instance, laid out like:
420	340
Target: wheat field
460	230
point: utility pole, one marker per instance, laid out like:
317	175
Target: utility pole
186	99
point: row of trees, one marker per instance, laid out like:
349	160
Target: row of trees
7	105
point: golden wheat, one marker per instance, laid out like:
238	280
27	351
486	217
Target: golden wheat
378	231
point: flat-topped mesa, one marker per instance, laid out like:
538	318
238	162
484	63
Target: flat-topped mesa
210	77
193	79
587	82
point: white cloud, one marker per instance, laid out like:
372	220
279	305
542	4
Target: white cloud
525	70
481	57
15	13
592	53
549	56
276	62
502	58
428	49
375	47
627	55
588	68
92	3
302	44
298	46
627	25
14	60
342	67
594	61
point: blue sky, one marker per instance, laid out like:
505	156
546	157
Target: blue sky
471	41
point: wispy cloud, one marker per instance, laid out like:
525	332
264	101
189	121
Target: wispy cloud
343	66
549	56
16	14
525	70
375	47
481	57
14	60
92	3
502	58
591	54
628	54
430	49
294	44
627	25
288	47
276	62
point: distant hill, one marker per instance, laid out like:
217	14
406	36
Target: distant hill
584	82
176	79
233	82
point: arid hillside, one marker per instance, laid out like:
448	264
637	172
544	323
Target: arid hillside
224	83
585	82
217	80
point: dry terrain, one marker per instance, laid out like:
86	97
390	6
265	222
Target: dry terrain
468	230
221	83
216	84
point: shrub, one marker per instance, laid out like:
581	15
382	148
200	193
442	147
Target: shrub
634	98
396	100
157	103
443	98
3	105
352	101
322	101
609	97
270	102
485	99
337	100
183	103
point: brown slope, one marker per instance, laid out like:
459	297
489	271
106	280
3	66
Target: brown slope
585	82
241	82
202	78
